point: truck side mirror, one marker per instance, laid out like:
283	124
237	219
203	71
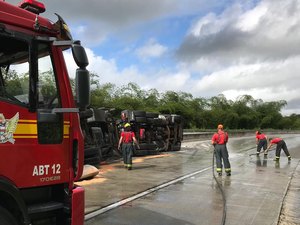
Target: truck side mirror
82	76
79	55
82	88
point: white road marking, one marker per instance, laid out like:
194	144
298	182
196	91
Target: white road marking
142	194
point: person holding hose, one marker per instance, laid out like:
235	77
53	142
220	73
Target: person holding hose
126	140
219	140
261	142
280	145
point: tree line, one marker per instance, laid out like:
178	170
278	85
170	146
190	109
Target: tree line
198	113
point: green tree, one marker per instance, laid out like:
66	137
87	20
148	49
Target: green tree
243	113
103	96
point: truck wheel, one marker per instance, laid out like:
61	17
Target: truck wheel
86	114
99	115
91	152
140	119
150	120
94	161
139	113
6	217
176	119
175	147
151	115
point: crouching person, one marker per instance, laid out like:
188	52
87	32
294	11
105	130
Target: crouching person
280	145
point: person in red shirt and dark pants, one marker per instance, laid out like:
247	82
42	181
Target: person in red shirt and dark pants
126	140
219	141
280	145
261	142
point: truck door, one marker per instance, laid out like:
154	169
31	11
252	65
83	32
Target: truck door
34	143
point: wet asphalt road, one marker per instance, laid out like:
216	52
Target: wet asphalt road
254	193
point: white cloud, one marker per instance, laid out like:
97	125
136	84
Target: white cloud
102	18
108	72
170	81
269	81
251	19
152	49
235	37
254	51
240	49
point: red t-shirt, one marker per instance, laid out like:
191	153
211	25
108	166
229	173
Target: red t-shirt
260	136
220	137
127	136
275	140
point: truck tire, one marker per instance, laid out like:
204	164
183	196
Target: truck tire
91	152
86	114
139	113
160	122
176	147
159	137
147	146
150	120
99	115
106	151
176	119
6	217
151	115
140	119
94	161
97	135
161	145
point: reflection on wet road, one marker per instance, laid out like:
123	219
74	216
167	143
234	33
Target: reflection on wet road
254	192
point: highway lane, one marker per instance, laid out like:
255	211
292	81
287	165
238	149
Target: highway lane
254	192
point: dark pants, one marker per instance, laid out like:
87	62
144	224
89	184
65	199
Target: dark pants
222	155
281	145
262	143
127	150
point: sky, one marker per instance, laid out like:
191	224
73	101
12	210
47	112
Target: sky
205	48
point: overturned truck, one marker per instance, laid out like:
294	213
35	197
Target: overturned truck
100	134
175	131
154	132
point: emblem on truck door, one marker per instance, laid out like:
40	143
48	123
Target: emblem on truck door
7	128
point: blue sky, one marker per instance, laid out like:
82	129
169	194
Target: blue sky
201	47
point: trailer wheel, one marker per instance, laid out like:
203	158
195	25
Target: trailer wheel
175	147
94	161
86	114
150	120
139	113
6	217
151	115
140	119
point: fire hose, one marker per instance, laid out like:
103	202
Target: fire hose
221	190
220	185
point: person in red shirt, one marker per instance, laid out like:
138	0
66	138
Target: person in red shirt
280	145
126	141
219	140
261	142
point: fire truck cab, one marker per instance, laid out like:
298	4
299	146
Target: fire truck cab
41	141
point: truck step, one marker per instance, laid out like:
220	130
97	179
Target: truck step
45	207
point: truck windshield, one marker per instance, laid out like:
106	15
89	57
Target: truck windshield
14	73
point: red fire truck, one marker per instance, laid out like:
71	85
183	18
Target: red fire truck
41	141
